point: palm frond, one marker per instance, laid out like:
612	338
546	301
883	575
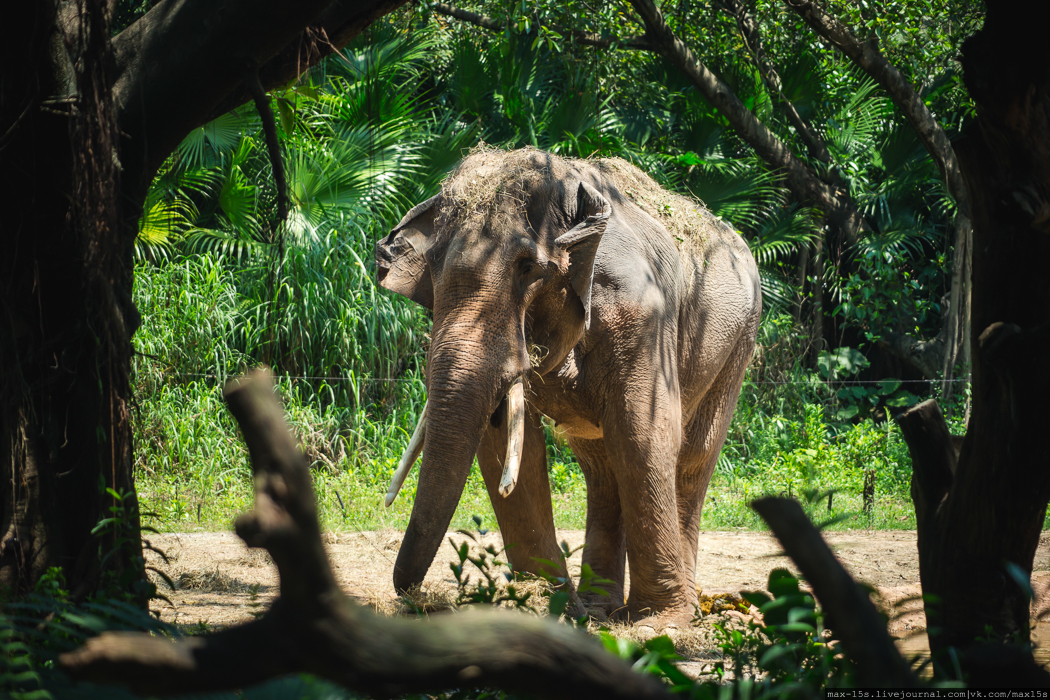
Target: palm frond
233	244
906	237
741	190
853	128
784	233
203	147
779	293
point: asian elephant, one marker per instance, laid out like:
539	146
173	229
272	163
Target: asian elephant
581	291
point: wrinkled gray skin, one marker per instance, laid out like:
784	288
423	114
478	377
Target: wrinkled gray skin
645	350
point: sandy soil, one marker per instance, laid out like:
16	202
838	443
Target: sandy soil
215	576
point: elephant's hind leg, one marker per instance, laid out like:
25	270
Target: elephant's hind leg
704	436
605	550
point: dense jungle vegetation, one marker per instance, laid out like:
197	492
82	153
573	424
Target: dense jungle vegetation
372	131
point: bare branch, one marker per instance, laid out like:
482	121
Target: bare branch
585	38
182	64
752	41
262	105
850	611
315	628
803	182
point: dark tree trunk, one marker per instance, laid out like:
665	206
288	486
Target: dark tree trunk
980	514
85	121
67	316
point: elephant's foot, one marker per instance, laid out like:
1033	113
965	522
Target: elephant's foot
602	607
659	621
576	608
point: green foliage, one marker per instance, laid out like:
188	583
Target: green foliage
788	654
36	629
488	588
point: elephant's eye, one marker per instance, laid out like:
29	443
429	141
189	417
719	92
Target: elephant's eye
526	267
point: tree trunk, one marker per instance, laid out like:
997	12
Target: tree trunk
817	340
958	304
85	121
979	523
67	316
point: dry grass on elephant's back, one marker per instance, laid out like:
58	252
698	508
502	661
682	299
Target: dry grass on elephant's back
686	219
487	173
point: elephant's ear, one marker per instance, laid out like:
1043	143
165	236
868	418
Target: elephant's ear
580	243
401	256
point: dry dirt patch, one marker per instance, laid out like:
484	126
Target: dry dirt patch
221	582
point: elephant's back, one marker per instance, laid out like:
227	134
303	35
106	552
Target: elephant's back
720	295
688	221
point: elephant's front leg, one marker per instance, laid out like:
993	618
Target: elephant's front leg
644	452
525	517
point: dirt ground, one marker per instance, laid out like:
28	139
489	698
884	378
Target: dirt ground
220	582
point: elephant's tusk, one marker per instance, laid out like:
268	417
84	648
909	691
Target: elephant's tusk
415	446
515	436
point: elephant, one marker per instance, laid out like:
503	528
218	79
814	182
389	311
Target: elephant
582	291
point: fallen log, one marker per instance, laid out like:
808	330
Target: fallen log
313	627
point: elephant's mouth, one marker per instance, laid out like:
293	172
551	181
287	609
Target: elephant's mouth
512	404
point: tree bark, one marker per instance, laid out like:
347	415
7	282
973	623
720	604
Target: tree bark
65	311
980	526
314	627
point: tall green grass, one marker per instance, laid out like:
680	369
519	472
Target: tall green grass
350	374
348	366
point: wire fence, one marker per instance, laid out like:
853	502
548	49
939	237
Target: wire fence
410	380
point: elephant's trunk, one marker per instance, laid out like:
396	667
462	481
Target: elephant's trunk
464	390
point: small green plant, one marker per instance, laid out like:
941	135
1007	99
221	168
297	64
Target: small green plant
46	623
486	589
254	604
782	656
118	539
198	628
556	585
656	656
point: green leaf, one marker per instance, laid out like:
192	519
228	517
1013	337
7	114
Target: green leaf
782	583
888	386
756	598
775	652
287	114
847	413
558	603
662	645
902	399
622	648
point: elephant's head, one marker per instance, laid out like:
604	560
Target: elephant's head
504	257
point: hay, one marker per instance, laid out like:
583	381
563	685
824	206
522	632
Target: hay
210	581
416	601
686	219
255	558
490	180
